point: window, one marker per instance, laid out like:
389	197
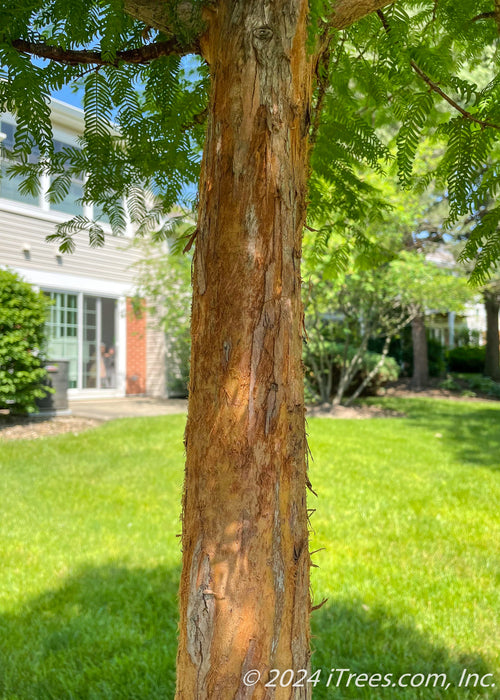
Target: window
69	204
9	186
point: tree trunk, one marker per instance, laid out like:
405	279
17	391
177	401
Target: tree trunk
244	593
492	360
420	377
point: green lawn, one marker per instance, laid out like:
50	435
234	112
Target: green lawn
408	514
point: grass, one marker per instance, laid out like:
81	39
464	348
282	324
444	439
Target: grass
407	513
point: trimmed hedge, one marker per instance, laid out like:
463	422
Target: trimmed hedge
23	313
468	358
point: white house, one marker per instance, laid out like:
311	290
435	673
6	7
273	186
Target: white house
111	352
452	329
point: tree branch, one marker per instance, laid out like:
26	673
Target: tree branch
448	99
435	88
322	74
167	16
483	15
144	54
347	12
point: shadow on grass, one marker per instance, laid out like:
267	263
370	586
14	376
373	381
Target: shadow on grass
472	430
111	632
373	641
107	632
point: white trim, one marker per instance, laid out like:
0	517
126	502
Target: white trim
82	394
58	281
98	333
121	346
43	212
79	331
66	115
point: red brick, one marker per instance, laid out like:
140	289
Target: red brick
136	348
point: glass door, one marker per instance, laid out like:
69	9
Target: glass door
99	343
62	332
108	343
82	328
90	360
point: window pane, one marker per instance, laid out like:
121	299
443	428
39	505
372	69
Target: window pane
69	205
89	343
9	188
99	215
62	336
108	343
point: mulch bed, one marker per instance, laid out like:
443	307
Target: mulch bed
31	428
360	412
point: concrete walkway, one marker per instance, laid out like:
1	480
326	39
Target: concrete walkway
129	407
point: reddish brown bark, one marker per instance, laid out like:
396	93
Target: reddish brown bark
244	594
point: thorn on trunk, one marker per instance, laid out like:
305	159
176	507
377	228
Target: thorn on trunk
309	486
320	605
190	242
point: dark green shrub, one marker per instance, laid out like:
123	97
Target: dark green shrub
22	322
468	358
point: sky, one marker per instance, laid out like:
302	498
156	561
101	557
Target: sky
67	95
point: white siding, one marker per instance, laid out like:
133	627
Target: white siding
21	230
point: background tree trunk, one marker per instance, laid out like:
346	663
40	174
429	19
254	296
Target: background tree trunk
420	377
492	360
244	594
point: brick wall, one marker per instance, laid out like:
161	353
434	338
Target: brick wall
136	349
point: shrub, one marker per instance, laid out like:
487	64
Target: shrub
483	385
389	371
22	336
449	384
471	385
468	358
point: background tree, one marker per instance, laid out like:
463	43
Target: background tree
366	304
427	287
244	594
23	313
491	295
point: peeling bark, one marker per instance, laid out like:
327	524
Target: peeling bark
244	594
